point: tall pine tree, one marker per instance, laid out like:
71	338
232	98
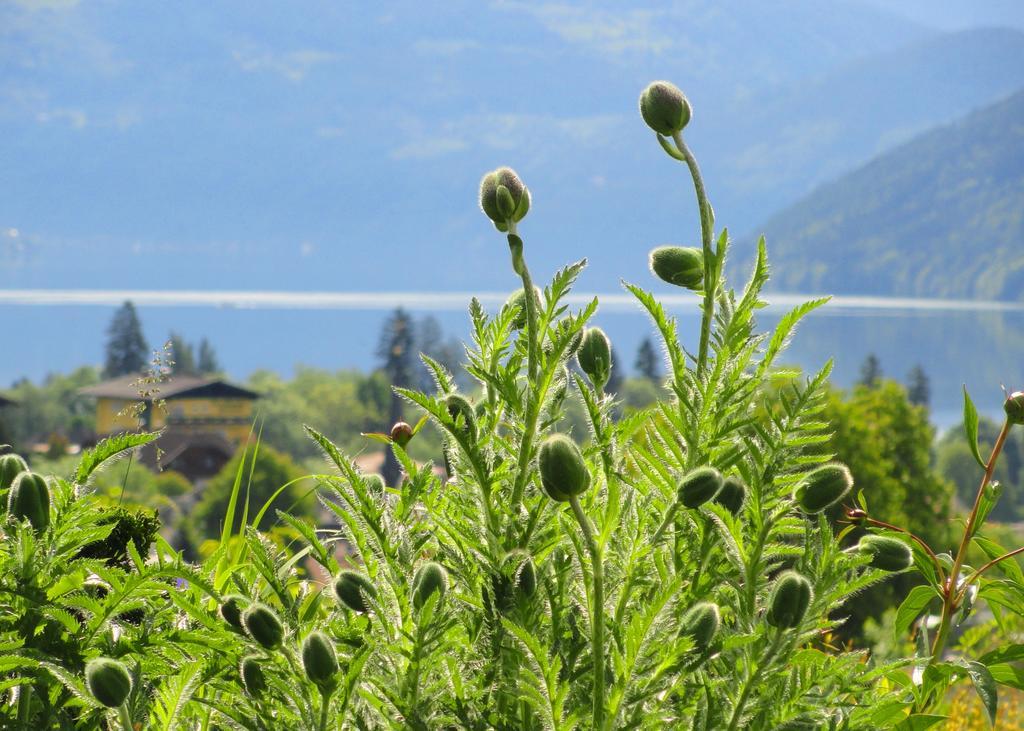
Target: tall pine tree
648	363
919	389
398	362
870	371
127	351
183	356
208	363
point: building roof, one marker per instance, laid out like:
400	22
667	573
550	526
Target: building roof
127	387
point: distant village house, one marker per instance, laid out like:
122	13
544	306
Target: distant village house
204	420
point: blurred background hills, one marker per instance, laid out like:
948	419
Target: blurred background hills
244	146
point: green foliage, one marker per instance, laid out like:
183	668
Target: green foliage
567	575
263	471
956	462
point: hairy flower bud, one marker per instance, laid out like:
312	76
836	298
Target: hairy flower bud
431	577
253	679
503	197
595	356
518	300
699	486
563	471
824	487
353	588
262	624
732	494
462	413
682	266
319	659
231	610
664	108
11	465
108	681
401	433
374	484
789	600
886	552
1014	407
700	623
29	498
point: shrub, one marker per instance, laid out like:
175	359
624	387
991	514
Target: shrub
592	578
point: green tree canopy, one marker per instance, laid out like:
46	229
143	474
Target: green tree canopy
260	479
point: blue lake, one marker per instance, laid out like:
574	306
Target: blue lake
980	344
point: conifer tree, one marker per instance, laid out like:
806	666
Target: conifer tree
648	362
918	387
127	351
398	362
208	362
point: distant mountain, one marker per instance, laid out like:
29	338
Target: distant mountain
778	145
940	216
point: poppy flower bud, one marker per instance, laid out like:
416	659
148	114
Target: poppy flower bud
353	588
732	494
518	300
1014	407
595	356
563	471
29	499
108	681
262	624
700	623
856	515
824	487
231	610
253	679
431	577
11	465
374	484
699	486
401	433
789	600
664	108
682	266
319	659
503	197
887	553
460	409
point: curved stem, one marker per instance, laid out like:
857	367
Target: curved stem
706	234
670	515
326	696
24	703
967	582
597	613
951	590
752	679
124	717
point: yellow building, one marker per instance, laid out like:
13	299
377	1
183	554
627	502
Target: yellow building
204	420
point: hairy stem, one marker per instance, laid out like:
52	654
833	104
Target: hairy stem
24	703
124	717
597	613
752	679
706	234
